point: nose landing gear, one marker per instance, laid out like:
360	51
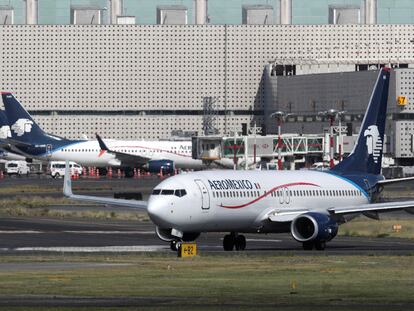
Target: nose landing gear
175	245
233	240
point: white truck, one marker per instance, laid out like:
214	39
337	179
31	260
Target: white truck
57	168
17	168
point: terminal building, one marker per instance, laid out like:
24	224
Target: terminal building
143	69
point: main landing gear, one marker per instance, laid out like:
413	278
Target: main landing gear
233	240
319	245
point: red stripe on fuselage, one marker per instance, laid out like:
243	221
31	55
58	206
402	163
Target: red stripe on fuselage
153	149
269	192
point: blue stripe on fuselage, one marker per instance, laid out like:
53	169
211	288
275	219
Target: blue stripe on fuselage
61	148
353	183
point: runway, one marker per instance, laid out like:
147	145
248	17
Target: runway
26	235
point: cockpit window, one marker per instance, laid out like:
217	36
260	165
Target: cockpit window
180	193
167	192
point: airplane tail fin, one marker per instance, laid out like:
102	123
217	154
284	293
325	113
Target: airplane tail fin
23	127
3	118
4	126
366	157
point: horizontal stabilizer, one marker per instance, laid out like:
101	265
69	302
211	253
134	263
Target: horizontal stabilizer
394	181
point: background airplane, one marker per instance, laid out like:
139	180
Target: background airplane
6	152
31	141
308	204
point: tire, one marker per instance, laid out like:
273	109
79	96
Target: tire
320	245
307	246
228	242
57	175
240	243
174	245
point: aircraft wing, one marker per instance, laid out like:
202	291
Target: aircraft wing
369	210
67	191
124	158
372	208
284	215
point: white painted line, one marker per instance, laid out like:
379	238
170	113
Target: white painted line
109	232
91	249
20	232
262	240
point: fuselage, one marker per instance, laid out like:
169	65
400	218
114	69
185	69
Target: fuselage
241	201
89	153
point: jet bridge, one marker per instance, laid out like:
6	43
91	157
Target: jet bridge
210	148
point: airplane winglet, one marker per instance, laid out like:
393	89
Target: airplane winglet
67	191
101	143
67	182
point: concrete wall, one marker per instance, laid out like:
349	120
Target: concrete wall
121	69
307	95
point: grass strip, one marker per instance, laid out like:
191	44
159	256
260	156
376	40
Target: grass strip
378	228
227	279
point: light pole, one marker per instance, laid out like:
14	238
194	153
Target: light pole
255	130
280	117
332	115
339	116
235	149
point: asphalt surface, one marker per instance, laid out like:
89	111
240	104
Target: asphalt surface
22	235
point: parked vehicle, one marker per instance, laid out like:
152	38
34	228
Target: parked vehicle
17	168
57	168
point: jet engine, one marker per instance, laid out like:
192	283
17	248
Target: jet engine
155	166
313	228
165	235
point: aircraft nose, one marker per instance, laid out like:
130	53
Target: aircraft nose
157	211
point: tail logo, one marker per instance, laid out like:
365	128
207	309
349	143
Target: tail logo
5	132
373	141
22	126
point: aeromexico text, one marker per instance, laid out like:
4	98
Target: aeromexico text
230	184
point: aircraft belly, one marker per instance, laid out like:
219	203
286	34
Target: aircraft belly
233	219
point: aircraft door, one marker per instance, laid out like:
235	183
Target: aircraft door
205	202
287	195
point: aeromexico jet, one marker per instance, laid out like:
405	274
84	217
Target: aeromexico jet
309	204
31	141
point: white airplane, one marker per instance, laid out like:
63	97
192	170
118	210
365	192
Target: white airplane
308	204
32	142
